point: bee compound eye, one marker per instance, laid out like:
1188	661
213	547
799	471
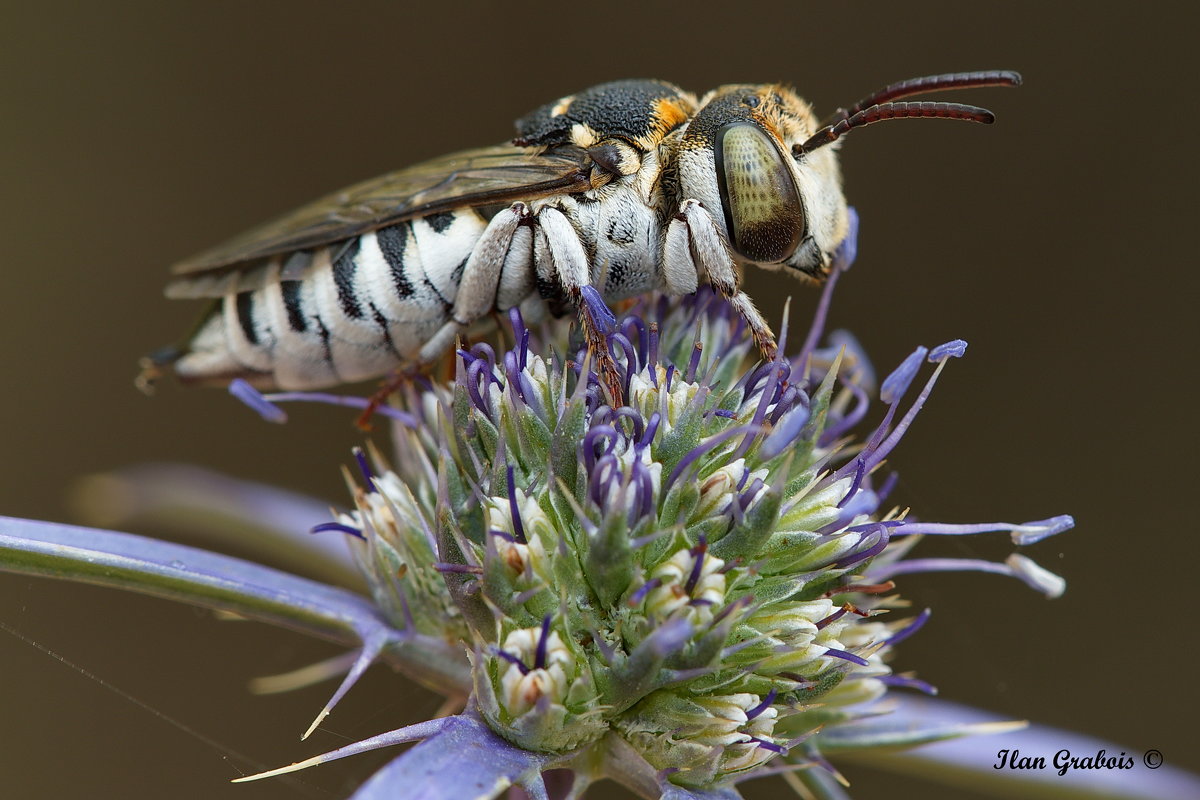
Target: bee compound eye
763	212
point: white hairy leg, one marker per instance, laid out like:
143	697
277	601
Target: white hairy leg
477	288
560	257
711	255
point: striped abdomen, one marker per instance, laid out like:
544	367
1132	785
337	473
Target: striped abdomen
347	312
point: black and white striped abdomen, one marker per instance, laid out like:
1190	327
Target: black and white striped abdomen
347	312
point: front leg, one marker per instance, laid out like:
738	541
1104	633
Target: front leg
561	258
695	246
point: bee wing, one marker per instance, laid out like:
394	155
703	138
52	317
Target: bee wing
500	174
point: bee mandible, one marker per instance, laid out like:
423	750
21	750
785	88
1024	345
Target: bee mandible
622	189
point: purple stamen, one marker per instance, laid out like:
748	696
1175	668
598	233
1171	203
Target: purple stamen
644	486
365	468
871	525
953	349
670	374
334	400
539	661
724	413
644	590
601	480
1022	534
761	707
751	381
881	531
767	745
519	332
818	321
834	617
874	458
897	383
698	554
905	682
914	566
787	399
1030	532
505	535
647	437
607	651
484	350
747	497
768	396
859	471
741	484
706	446
339	527
518	528
845	656
779	439
514	660
529	395
253	398
864	502
694	362
635	419
633	328
475	370
629	368
736	605
872	444
912	627
598	436
524	597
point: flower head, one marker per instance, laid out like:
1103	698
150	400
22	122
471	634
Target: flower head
702	572
682	592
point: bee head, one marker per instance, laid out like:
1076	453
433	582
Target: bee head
738	157
757	158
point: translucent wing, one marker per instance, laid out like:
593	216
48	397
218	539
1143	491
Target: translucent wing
500	174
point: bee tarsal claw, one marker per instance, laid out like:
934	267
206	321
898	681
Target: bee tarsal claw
380	398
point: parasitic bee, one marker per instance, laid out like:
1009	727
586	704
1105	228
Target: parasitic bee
624	188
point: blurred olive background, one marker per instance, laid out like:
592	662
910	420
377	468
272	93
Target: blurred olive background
1055	242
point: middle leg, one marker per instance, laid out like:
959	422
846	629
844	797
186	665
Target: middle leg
560	257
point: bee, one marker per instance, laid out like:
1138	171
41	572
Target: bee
624	188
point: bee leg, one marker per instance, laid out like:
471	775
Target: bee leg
560	257
476	294
387	388
711	255
475	297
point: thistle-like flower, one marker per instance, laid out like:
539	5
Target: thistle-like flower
702	574
680	593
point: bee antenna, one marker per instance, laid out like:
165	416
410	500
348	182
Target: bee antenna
930	83
884	111
878	106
